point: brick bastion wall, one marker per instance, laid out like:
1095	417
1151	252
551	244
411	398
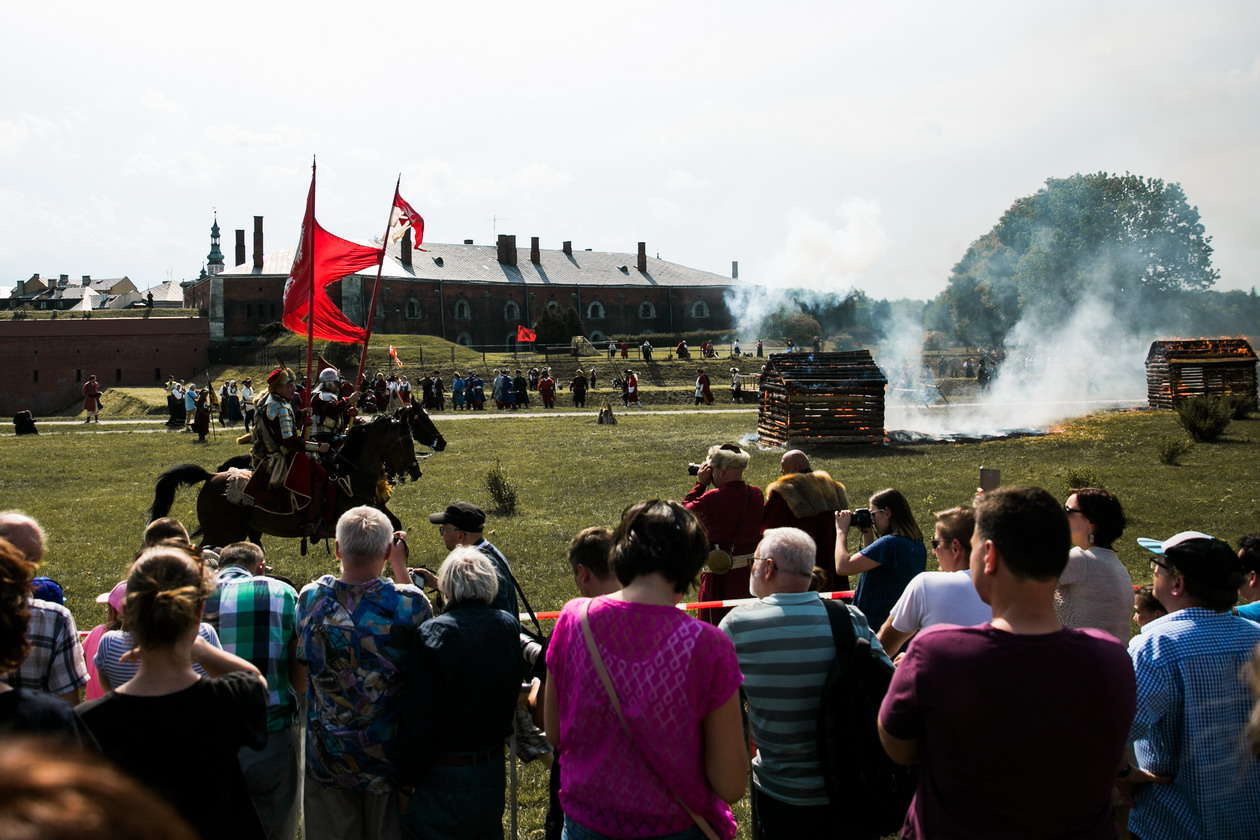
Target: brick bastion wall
46	362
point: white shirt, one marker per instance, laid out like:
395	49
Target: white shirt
939	598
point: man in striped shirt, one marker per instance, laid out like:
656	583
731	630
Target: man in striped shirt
785	649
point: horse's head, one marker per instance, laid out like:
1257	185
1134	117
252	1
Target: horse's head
421	425
388	443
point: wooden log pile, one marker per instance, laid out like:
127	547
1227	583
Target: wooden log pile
821	398
1177	370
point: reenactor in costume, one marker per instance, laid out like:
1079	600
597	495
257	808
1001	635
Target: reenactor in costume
282	460
92	399
331	413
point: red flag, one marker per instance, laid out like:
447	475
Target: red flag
322	259
524	333
403	218
393	354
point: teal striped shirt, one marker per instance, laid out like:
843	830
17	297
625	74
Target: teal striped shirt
785	649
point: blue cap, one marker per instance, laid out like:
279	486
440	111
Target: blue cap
47	589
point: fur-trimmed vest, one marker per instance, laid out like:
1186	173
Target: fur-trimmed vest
809	494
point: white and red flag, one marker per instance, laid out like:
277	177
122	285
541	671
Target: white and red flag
404	218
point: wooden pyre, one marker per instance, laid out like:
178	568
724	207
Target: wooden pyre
1215	367
822	398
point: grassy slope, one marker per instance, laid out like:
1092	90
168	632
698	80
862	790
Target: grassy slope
91	492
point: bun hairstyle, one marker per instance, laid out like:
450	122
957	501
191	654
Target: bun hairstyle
16	574
165	592
659	536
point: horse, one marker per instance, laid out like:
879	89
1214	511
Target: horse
380	448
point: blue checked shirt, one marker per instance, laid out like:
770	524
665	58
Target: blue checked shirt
256	617
55	662
1192	707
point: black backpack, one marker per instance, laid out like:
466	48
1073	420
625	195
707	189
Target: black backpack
855	767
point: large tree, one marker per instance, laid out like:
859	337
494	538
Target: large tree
1124	239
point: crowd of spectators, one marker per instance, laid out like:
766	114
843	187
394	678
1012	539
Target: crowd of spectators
357	705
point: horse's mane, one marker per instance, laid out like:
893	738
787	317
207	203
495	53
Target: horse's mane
357	437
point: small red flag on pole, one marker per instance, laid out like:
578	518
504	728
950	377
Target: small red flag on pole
524	333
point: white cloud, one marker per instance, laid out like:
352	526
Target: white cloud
680	180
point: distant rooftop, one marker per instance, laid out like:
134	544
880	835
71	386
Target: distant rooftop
480	264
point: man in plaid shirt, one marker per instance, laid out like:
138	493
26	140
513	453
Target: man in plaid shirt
55	663
256	617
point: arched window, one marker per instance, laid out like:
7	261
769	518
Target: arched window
463	339
413	308
699	309
595	311
553	307
647	310
511	311
463	312
596	335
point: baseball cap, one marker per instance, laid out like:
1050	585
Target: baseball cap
463	515
47	589
1161	546
114	597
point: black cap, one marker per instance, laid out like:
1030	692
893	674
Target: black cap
1209	561
463	515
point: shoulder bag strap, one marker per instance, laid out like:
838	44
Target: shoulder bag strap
598	662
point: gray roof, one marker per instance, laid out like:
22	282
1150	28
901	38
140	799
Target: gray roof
166	291
480	264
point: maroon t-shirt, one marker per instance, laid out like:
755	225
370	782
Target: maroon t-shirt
1019	736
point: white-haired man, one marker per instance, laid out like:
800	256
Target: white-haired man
55	662
348	640
785	649
460	693
731	514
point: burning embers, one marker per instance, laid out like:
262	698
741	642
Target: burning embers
821	398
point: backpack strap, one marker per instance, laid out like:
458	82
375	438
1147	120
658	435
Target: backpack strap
842	632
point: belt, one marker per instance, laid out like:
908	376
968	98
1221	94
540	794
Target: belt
738	561
467	759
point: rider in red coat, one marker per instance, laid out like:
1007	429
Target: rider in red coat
92	399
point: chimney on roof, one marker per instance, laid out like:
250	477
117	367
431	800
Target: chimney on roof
734	269
642	261
87	280
258	243
404	250
240	247
507	248
468	242
568	247
534	256
64	278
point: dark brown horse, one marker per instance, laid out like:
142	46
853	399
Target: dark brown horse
381	448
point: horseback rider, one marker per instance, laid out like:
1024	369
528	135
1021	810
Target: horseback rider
331	413
285	458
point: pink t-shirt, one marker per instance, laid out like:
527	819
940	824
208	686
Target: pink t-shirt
670	671
90	644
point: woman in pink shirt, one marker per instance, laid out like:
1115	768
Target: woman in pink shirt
672	767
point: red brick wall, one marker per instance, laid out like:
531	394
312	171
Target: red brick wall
48	361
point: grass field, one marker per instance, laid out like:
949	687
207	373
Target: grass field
91	492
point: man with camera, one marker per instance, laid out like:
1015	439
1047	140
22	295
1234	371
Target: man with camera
731	515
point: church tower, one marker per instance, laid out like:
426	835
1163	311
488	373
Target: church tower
214	260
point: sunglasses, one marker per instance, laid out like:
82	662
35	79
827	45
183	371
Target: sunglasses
1071	510
1155	565
936	543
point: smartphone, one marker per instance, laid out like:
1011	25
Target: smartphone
990	479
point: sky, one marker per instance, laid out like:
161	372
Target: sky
826	145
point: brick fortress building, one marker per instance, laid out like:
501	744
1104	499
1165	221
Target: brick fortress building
475	294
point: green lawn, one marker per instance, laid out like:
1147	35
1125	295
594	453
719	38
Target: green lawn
91	491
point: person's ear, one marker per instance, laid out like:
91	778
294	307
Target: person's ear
992	560
956	546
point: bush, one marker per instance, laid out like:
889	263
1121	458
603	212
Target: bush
502	490
1172	449
1078	478
1205	418
1240	406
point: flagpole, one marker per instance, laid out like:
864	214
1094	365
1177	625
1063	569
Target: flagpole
376	287
310	307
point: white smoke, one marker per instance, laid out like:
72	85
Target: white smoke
1052	371
818	259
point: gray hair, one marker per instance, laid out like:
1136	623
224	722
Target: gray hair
24	533
468	575
363	535
793	550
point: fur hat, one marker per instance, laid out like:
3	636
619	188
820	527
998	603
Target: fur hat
728	456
